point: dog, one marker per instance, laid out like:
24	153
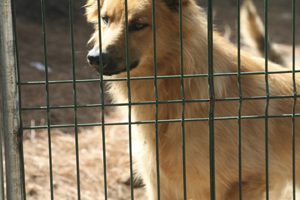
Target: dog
225	100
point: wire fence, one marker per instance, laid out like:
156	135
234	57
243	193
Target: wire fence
14	178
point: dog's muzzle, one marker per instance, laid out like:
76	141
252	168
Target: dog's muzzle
109	66
94	59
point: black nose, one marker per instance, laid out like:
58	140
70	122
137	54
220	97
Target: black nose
93	59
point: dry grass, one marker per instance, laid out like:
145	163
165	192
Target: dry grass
64	164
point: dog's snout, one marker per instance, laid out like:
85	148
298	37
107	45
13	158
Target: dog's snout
94	59
105	58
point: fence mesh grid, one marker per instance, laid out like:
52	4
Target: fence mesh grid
211	118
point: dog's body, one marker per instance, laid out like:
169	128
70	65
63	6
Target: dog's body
196	132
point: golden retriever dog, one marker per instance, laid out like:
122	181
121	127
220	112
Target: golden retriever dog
170	91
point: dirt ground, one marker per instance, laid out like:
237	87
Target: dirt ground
36	153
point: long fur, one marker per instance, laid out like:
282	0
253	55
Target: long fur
197	132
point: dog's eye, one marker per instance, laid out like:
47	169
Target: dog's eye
105	19
137	27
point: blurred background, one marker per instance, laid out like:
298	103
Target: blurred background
58	46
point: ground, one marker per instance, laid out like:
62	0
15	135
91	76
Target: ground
36	153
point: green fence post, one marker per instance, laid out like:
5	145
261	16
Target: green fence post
267	99
75	98
156	99
47	98
102	102
295	97
183	102
129	96
240	97
212	98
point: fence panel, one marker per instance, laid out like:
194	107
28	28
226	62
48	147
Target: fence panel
12	128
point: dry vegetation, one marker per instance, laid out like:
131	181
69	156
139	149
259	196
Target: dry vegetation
90	151
36	148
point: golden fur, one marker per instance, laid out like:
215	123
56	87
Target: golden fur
196	132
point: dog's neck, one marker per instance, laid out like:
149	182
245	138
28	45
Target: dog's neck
224	61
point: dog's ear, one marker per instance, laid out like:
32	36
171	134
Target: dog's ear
174	4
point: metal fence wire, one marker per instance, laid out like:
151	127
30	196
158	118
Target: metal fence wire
12	183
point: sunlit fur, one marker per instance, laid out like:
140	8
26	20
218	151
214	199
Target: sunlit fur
197	132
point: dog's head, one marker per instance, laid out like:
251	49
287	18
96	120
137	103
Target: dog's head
139	48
